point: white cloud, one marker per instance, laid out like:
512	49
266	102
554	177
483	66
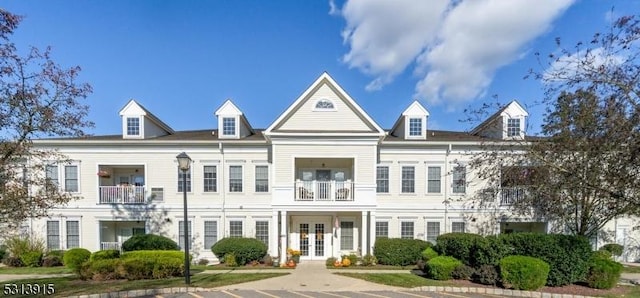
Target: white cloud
456	45
581	63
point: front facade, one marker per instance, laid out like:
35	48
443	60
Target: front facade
324	178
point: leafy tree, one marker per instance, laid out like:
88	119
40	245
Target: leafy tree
584	168
38	98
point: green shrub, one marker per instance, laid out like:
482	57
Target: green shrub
149	242
428	254
440	268
137	268
399	252
523	273
152	254
3	251
107	269
568	256
463	272
603	274
369	260
12	261
56	253
614	248
330	261
458	245
486	275
230	260
245	249
74	258
105	254
168	267
353	258
31	258
51	261
18	245
601	254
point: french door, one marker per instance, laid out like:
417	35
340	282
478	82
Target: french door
312	241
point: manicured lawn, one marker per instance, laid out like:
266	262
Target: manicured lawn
35	270
397	279
68	286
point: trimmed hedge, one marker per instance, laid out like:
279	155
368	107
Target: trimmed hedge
31	258
152	254
428	254
441	268
603	273
135	265
614	248
399	252
149	242
74	258
245	249
523	273
106	254
458	245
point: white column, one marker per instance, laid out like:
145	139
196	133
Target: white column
363	247
372	229
273	240
283	236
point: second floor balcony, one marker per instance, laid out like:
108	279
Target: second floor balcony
121	184
331	190
510	195
129	194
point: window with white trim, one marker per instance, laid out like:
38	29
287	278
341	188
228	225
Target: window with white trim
181	234
235	229
157	193
433	231
210	233
262	231
229	126
324	104
434	177
133	126
184	175
382	229
459	179
210	178
457	227
262	178
71	178
51	174
73	234
235	178
415	127
513	127
382	179
346	235
407	230
408	179
53	235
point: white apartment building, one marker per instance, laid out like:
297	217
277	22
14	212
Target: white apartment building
323	178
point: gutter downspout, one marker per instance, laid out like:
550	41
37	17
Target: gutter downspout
446	188
222	189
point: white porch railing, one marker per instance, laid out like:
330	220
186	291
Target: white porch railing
122	195
110	245
509	195
323	190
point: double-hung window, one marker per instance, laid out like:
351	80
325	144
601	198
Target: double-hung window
229	126
434	177
210	233
235	178
415	127
71	178
382	229
181	233
513	127
262	231
406	230
181	178
262	178
457	227
235	229
346	235
73	234
408	179
433	231
382	179
133	126
459	179
51	175
210	178
53	235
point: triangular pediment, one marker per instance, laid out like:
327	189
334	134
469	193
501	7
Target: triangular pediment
324	108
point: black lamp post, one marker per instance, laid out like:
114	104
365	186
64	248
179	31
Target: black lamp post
184	163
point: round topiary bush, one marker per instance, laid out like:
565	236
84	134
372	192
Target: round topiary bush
614	248
149	242
106	254
74	258
523	273
245	249
603	273
428	254
441	267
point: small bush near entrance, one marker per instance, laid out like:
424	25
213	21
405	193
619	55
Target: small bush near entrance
523	273
399	252
149	242
603	273
428	254
245	249
440	268
105	254
369	260
330	262
614	248
74	258
31	258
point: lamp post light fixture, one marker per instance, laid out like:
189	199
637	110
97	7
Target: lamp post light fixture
184	163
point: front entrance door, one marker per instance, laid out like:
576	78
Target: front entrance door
323	187
312	241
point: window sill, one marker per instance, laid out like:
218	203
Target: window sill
261	193
409	194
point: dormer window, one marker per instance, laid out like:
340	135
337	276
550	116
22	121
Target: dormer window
415	127
513	127
133	126
229	126
324	105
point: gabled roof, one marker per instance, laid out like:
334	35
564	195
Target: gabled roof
500	113
414	109
230	109
132	105
325	78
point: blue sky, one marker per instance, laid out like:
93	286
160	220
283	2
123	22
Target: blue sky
182	59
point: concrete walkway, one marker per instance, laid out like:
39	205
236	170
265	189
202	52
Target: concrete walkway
312	276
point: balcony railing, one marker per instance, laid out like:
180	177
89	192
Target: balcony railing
510	195
110	245
323	190
122	194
